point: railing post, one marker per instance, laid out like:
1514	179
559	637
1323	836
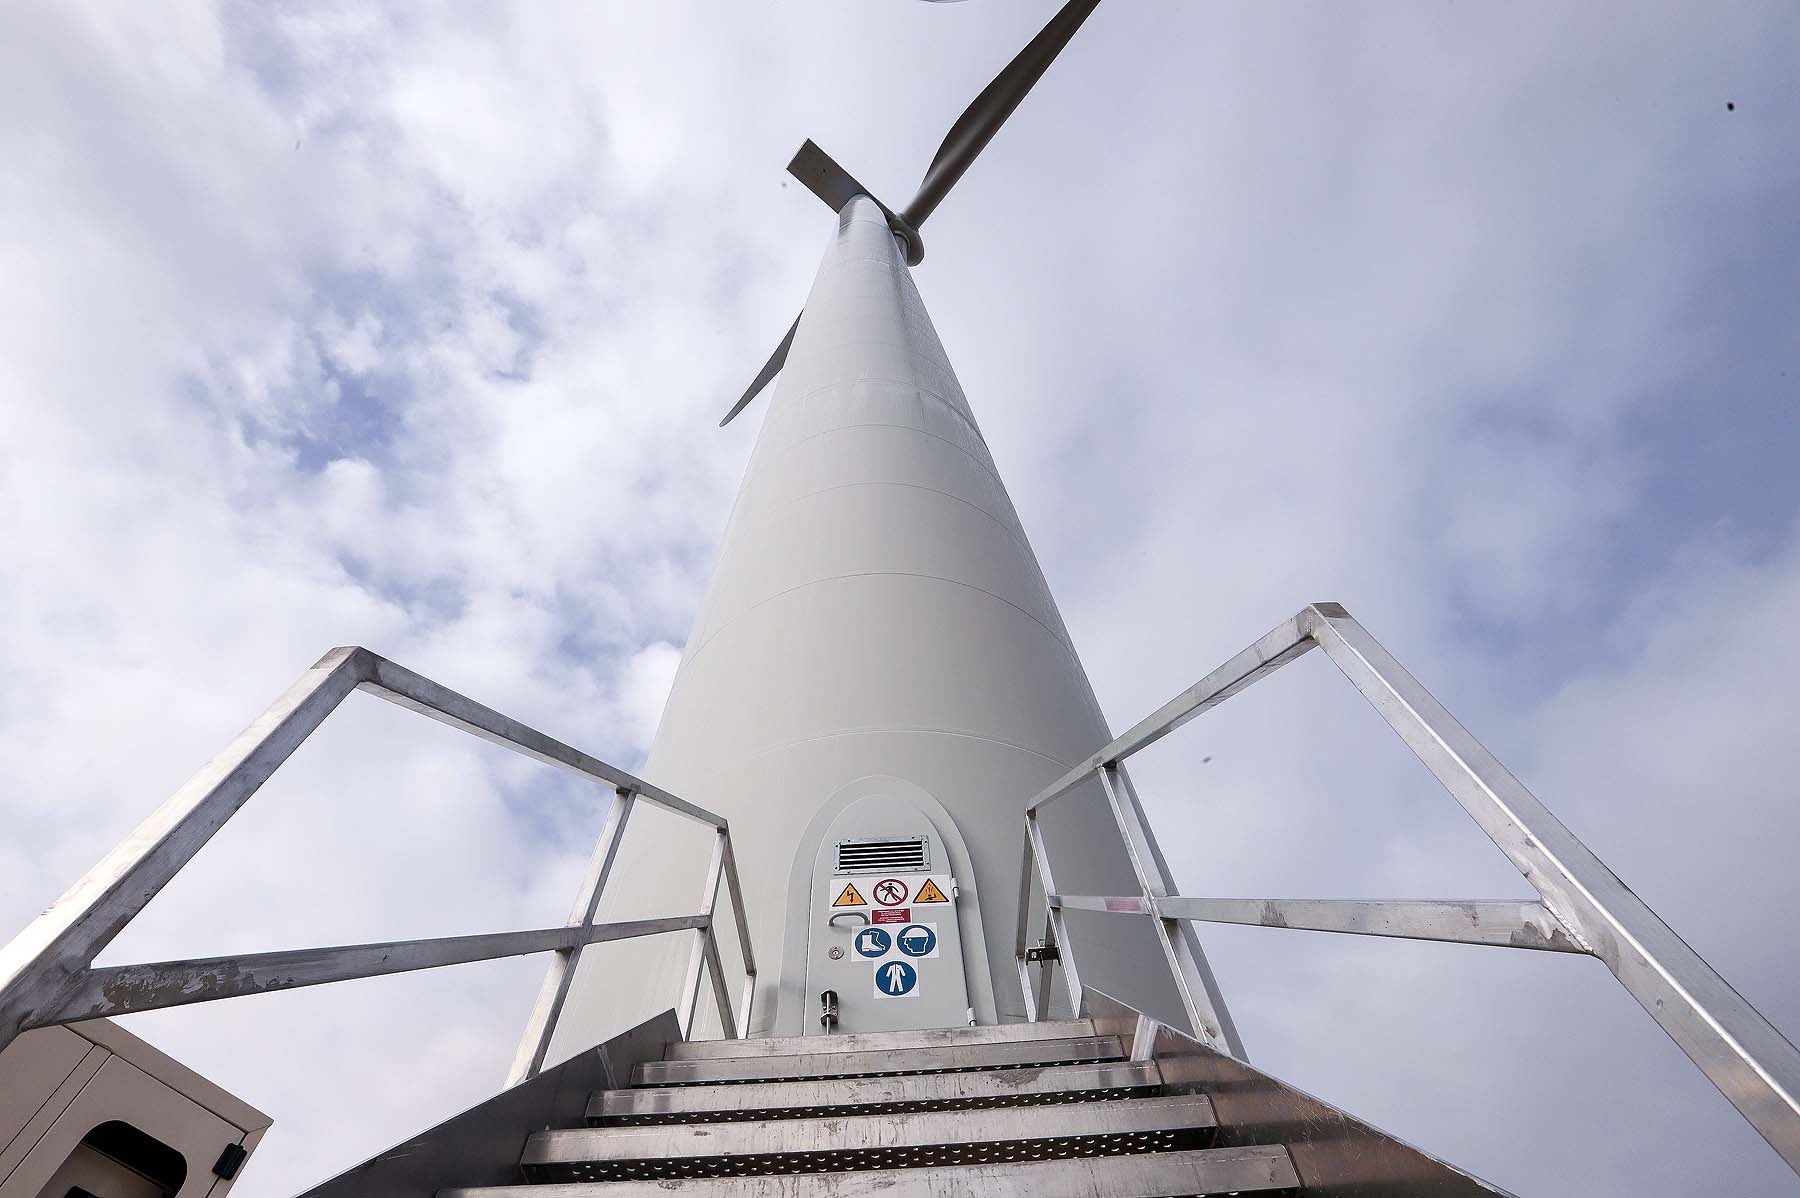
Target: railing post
540	1026
1023	934
697	957
721	992
734	893
1193	978
1045	971
1054	917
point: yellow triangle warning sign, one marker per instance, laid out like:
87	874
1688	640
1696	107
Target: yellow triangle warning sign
929	893
850	898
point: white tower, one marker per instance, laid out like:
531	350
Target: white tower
877	670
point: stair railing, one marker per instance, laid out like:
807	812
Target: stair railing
1582	906
47	974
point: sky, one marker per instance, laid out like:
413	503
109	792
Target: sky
409	327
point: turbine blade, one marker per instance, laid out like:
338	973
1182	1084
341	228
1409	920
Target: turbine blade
825	178
982	119
770	369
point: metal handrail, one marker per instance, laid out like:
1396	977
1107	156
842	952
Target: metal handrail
47	974
1582	905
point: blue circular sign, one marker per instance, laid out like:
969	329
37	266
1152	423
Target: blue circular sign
872	942
917	940
894	979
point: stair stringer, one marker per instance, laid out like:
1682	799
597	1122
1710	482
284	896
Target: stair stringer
481	1145
1336	1154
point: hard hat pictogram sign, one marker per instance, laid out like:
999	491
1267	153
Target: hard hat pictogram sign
918	940
896	979
849	897
890	892
929	893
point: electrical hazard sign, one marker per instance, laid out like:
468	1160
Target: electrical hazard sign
929	893
849	897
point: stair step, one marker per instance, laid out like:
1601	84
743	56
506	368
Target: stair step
784	1146
951	1058
873	1095
936	1037
1260	1169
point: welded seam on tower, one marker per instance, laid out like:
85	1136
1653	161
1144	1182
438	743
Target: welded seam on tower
1067	647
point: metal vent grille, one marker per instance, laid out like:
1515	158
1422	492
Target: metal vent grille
883	856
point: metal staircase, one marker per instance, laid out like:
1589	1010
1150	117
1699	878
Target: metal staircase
1023	1109
1113	1103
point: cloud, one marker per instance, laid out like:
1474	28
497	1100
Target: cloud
409	327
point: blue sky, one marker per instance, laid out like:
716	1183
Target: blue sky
409	328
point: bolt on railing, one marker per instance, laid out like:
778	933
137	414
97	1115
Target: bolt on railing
47	974
1582	905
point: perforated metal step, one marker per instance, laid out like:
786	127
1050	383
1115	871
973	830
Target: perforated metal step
1185	1174
859	1142
874	1095
936	1037
950	1058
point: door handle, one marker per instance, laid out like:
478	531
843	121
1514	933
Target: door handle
832	922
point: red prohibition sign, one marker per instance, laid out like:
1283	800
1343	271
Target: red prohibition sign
890	892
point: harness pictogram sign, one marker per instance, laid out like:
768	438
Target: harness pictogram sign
872	943
890	892
850	898
896	979
929	893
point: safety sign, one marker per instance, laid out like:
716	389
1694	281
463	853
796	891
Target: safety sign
896	979
918	940
929	893
872	943
890	898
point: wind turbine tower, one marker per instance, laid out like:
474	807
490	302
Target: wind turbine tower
878	665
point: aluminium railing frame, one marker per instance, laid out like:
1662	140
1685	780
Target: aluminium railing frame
1582	905
47	974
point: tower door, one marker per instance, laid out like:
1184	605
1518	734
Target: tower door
884	944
